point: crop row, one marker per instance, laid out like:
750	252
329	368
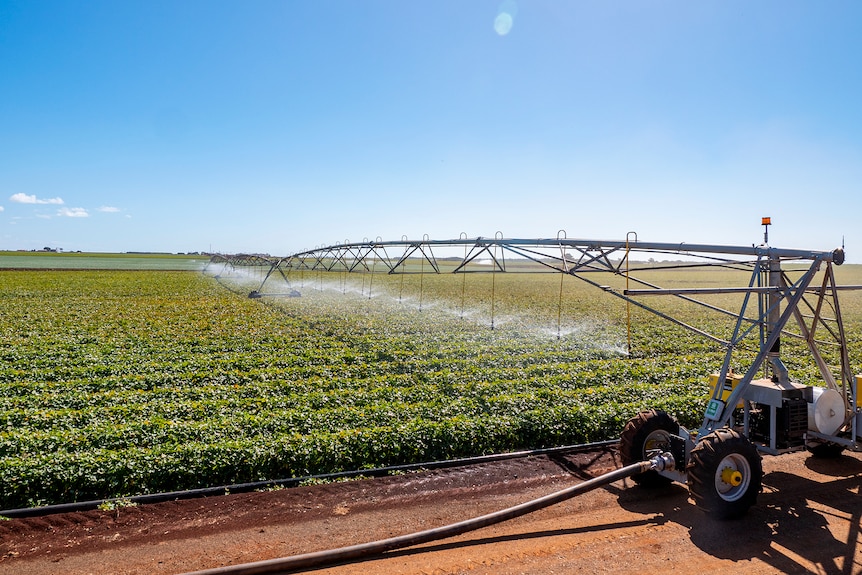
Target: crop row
58	473
128	424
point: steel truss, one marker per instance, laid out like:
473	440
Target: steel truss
774	297
241	261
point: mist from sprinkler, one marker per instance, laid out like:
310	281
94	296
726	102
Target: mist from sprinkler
584	334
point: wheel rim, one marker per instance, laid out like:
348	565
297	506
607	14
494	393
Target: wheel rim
732	477
656	441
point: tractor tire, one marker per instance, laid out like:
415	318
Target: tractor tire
644	433
725	474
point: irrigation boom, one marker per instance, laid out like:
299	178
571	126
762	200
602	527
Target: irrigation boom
554	254
789	293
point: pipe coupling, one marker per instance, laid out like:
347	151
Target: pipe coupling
664	461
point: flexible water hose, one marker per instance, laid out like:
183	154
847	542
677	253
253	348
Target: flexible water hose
663	461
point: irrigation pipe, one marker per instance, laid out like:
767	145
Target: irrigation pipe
292	481
662	461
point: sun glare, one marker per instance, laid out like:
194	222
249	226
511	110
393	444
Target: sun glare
503	23
505	17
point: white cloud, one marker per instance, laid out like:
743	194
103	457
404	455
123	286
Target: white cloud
109	209
2	208
73	213
22	198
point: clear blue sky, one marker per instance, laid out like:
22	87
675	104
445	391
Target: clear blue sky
276	126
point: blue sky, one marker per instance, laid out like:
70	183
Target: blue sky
258	126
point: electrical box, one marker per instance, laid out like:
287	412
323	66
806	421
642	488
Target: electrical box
780	427
778	418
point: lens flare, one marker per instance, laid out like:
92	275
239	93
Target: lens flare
503	23
505	17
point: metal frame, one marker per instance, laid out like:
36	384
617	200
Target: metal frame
770	301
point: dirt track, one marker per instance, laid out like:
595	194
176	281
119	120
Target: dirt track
808	519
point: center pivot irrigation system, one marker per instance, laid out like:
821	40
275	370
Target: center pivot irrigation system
756	410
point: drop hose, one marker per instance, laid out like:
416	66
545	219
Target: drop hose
318	559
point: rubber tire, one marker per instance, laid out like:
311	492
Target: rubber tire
645	432
722	448
826	450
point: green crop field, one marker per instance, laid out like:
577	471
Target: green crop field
115	383
106	261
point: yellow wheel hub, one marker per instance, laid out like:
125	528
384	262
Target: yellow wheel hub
731	476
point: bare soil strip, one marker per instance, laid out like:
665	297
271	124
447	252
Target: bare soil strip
808	519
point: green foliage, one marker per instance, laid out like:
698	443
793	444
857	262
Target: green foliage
116	504
100	261
117	382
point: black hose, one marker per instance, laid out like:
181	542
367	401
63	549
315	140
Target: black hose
345	554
